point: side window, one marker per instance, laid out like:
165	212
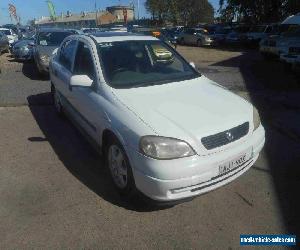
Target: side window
67	54
84	64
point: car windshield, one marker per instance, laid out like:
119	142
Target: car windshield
129	64
52	38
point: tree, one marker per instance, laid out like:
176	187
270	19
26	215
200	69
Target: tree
258	11
187	12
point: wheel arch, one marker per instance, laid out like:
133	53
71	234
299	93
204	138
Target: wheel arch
109	133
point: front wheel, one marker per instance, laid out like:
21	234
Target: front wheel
119	168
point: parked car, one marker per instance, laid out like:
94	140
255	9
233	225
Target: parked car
291	53
285	40
233	38
47	40
11	35
164	129
171	34
195	36
219	36
158	33
259	32
23	50
269	45
4	45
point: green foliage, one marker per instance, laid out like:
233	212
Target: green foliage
186	12
258	11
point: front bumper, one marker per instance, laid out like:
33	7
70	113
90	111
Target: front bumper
188	177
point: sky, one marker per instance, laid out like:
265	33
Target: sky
29	9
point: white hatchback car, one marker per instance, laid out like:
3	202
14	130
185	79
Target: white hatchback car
165	129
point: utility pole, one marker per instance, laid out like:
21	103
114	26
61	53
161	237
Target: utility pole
96	13
138	10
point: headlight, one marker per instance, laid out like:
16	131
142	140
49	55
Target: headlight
45	59
164	148
256	118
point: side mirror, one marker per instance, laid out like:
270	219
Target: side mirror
193	65
80	81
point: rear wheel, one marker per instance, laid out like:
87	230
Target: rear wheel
119	168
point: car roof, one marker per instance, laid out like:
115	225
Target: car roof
119	36
54	30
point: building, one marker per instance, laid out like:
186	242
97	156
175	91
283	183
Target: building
84	19
114	14
120	12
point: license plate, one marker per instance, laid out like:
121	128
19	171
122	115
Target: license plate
235	163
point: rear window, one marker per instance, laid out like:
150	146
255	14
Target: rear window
52	38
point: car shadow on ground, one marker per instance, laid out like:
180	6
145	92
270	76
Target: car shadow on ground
77	155
271	86
30	71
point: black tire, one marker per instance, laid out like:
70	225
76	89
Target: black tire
56	101
129	190
199	43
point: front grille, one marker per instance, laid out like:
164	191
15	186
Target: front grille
226	137
294	50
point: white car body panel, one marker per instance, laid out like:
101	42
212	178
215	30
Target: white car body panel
186	110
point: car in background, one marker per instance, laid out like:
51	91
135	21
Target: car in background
219	36
47	40
4	45
158	33
159	123
259	32
285	40
195	36
292	53
233	38
171	34
23	50
11	35
268	46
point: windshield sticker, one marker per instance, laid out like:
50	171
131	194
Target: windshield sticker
43	42
105	45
